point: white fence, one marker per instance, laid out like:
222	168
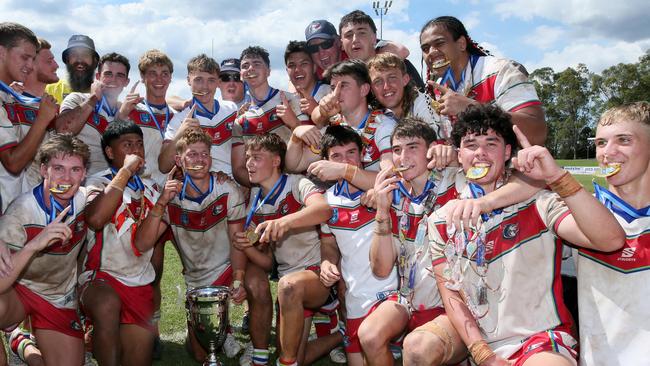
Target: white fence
582	170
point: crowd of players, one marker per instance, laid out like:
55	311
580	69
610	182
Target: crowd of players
420	219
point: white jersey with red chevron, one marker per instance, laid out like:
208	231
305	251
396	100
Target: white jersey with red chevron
613	294
15	121
113	250
425	290
261	118
201	231
299	248
352	225
219	127
524	293
153	120
499	81
52	273
93	129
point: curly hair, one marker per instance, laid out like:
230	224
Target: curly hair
192	136
478	119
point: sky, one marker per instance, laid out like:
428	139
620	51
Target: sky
554	33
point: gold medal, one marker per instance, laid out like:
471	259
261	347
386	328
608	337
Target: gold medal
314	149
199	94
608	170
398	170
477	171
251	235
195	167
440	64
60	188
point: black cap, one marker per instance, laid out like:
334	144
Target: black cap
231	65
79	40
320	29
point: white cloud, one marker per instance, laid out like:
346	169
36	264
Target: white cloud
545	37
597	57
471	20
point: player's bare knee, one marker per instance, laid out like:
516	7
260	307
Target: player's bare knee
371	339
289	290
421	348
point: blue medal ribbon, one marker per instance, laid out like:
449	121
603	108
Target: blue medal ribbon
55	206
202	195
272	92
343	189
316	87
477	192
103	105
162	132
618	206
402	191
256	203
448	77
22	99
203	111
135	183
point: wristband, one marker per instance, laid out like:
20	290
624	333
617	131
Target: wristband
236	284
158	210
480	351
566	185
121	179
350	172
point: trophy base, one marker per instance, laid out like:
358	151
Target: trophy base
211	360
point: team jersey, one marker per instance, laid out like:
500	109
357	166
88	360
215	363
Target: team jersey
352	225
201	231
488	79
299	248
613	290
16	118
261	118
153	120
220	128
112	249
523	284
59	90
93	128
52	273
375	134
422	109
406	218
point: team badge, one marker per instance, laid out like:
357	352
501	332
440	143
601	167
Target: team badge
96	119
217	135
335	216
12	112
185	220
74	325
229	126
30	115
510	231
144	117
260	126
368	154
285	209
217	210
79	226
273	117
246	125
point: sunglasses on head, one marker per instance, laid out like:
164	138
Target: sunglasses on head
229	77
326	45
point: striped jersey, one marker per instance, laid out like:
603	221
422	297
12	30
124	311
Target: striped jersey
201	231
52	273
219	127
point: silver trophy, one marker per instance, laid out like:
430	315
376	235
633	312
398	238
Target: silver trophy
208	316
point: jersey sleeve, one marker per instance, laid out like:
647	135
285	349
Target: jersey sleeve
95	184
551	208
513	90
385	128
12	232
303	188
236	203
72	101
175	124
437	228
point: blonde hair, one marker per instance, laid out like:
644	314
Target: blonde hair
637	112
192	136
152	58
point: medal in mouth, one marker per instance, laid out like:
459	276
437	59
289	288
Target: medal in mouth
199	94
608	170
195	167
60	188
478	171
399	169
438	64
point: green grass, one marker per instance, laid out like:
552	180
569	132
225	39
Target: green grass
585	180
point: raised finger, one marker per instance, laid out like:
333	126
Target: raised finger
521	138
170	175
135	86
61	215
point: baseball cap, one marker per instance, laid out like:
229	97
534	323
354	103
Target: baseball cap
231	65
79	40
320	29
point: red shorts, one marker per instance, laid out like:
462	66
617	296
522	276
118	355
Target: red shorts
352	344
46	316
137	301
331	304
422	317
547	341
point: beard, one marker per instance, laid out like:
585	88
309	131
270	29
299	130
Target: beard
80	81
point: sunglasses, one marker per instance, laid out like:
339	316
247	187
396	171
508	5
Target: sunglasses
326	45
229	77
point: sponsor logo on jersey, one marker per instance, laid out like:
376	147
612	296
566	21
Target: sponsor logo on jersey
510	231
627	254
217	210
354	216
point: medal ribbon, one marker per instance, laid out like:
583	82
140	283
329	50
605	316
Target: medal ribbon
202	195
448	77
135	183
161	130
618	206
22	99
343	189
402	191
272	92
55	206
477	192
316	87
103	105
203	111
256	203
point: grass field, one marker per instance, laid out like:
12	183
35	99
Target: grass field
585	180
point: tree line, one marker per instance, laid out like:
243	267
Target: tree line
575	98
